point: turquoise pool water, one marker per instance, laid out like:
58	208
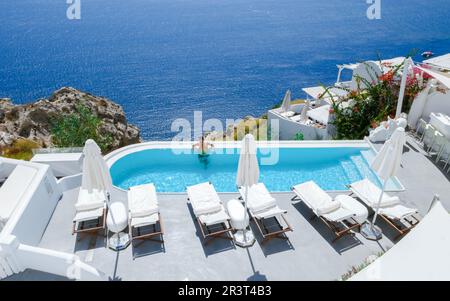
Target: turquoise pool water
331	168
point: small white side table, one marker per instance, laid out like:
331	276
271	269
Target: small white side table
239	220
117	221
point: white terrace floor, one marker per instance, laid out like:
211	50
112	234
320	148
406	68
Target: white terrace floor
308	255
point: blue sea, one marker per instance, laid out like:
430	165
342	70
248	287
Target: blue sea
164	59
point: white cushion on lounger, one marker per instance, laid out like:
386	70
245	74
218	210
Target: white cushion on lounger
142	200
214	218
338	215
204	199
316	198
320	114
370	194
88	215
397	211
144	221
259	197
90	200
270	212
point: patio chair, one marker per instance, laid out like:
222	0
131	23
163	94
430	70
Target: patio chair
210	214
268	217
144	213
338	219
420	129
400	217
90	216
428	136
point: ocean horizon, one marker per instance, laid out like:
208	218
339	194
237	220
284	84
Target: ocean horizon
164	59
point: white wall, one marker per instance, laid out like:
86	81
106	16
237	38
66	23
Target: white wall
22	233
288	128
437	102
43	197
58	263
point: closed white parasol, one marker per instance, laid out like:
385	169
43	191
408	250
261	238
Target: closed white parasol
386	164
247	175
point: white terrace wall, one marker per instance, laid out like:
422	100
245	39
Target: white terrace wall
288	128
33	218
58	263
22	233
437	102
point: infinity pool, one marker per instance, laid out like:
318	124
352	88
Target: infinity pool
331	167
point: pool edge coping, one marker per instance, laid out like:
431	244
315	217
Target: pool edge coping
117	154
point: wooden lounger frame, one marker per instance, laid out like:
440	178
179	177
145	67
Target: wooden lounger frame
268	235
101	225
148	236
346	226
407	223
209	234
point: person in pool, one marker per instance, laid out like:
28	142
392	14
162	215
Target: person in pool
202	146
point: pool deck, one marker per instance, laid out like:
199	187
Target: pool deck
308	255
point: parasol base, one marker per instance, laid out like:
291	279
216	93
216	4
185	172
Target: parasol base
371	232
119	241
244	241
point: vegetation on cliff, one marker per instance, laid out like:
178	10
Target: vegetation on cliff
66	119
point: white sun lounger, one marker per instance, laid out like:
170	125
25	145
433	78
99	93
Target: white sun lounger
209	211
12	190
339	219
320	114
90	207
143	210
397	215
263	208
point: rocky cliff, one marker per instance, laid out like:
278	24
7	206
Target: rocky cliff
33	121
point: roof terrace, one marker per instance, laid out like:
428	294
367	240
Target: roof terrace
309	254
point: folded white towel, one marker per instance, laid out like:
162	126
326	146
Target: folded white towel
259	198
397	211
319	201
90	200
328	207
371	194
142	200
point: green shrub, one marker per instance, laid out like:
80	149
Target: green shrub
362	109
74	129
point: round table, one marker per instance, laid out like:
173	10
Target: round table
117	221
239	221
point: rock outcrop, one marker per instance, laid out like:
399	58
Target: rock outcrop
33	121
